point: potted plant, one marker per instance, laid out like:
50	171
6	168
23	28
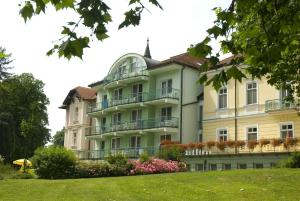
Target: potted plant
276	142
251	144
210	144
221	145
231	143
263	142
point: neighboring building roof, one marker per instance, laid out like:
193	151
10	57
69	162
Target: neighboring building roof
182	59
96	83
83	92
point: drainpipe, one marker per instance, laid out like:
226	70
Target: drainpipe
181	105
235	117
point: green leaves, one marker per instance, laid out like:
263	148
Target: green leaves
132	17
2	55
27	11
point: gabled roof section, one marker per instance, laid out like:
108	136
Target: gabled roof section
82	92
182	59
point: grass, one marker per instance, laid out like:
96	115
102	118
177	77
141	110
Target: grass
241	185
6	171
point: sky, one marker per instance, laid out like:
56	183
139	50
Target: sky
171	31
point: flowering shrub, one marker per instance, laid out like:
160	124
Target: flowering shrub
240	143
210	144
173	152
192	145
288	142
251	144
276	142
200	145
263	142
221	145
231	143
155	166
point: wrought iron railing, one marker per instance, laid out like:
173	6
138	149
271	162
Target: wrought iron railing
120	75
132	152
163	122
277	104
134	98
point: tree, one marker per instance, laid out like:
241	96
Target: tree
4	63
263	34
58	138
23	116
93	14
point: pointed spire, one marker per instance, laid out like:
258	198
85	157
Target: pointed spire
147	50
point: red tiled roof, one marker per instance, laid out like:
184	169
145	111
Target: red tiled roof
183	59
83	92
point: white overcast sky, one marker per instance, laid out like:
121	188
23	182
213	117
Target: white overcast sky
171	32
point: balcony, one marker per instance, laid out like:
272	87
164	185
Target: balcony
128	152
121	78
154	125
158	97
278	105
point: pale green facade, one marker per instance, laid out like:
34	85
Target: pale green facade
140	103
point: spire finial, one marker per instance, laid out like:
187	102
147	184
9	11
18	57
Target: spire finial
147	50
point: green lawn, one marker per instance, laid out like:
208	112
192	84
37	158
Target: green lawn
252	185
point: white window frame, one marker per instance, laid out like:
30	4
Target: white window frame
118	90
218	95
246	95
286	123
218	134
76	115
165	137
136	140
119	121
74	138
164	118
166	91
115	138
252	126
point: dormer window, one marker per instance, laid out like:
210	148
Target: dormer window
135	65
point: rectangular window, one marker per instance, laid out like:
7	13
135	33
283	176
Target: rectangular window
199	167
117	118
74	139
222	135
212	166
251	93
258	165
200	116
223	98
102	145
166	87
137	92
76	115
242	166
136	115
135	141
165	138
252	133
115	143
118	94
135	65
104	101
166	113
286	130
226	166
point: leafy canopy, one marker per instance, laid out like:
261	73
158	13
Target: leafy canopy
264	34
93	14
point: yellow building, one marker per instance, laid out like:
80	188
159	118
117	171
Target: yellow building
248	110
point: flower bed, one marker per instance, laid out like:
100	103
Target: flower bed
154	166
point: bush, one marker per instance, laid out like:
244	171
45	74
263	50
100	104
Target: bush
293	161
171	152
144	157
26	175
155	166
85	170
117	159
54	162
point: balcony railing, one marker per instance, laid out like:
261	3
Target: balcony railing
277	104
163	122
134	98
115	76
128	152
